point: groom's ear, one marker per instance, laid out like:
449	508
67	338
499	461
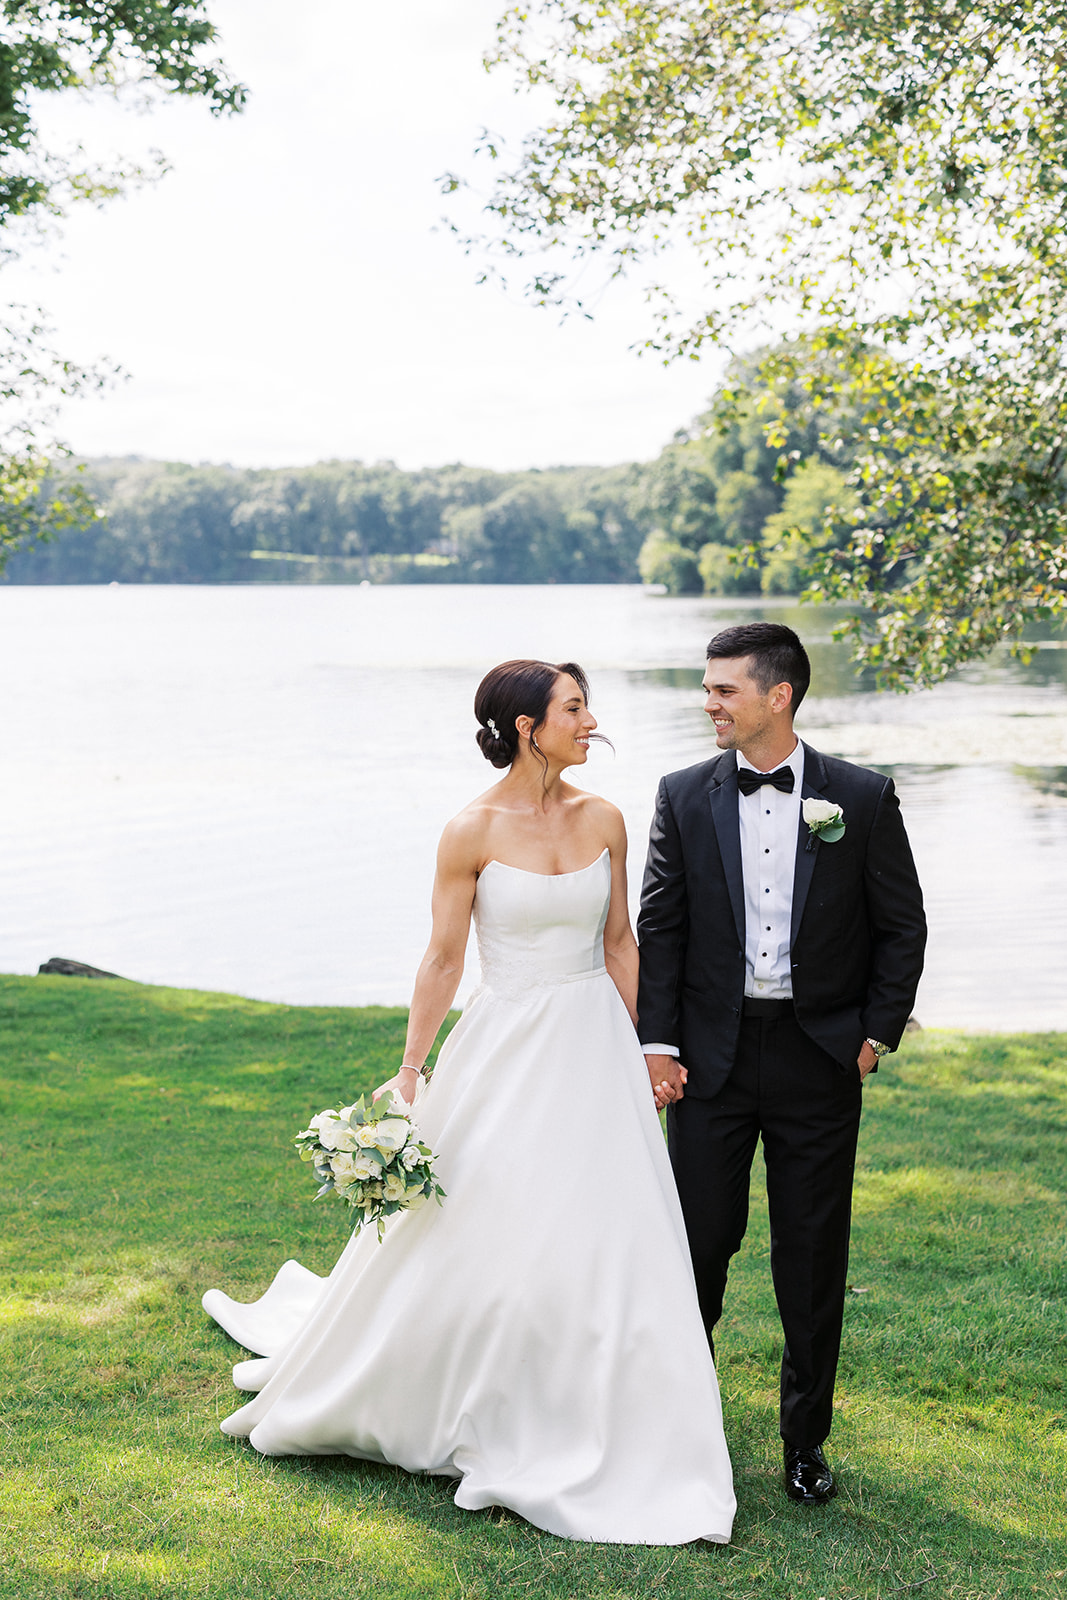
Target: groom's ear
782	697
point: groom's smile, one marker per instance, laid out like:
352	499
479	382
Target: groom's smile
735	703
747	717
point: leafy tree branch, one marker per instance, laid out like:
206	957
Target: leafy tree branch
889	180
54	47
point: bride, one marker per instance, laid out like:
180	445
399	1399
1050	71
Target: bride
537	1336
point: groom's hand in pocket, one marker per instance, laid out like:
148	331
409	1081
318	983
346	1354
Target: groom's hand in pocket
667	1077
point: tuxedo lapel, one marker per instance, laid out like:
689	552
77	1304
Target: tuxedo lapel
813	783
723	798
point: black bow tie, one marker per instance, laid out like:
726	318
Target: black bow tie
748	781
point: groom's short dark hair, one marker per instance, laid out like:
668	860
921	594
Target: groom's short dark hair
776	653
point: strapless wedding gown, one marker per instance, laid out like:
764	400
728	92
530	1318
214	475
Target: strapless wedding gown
537	1336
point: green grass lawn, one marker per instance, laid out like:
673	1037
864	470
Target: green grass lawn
147	1155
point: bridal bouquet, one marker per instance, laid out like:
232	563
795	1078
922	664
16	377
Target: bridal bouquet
369	1155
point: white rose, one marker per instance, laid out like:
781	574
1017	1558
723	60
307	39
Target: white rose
366	1135
364	1166
820	811
312	1129
331	1131
416	1200
343	1168
395	1187
391	1133
411	1157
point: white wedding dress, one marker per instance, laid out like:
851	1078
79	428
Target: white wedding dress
537	1336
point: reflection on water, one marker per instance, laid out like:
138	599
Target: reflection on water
991	849
243	788
1047	780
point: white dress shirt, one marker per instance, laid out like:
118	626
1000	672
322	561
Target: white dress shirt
769	823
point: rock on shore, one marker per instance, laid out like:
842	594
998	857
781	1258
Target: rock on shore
59	965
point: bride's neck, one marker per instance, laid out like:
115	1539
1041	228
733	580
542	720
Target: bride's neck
528	780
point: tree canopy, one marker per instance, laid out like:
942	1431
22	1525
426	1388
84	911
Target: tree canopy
50	47
47	46
888	181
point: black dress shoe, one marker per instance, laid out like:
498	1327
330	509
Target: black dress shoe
807	1477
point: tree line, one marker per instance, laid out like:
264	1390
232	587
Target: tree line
720	510
166	522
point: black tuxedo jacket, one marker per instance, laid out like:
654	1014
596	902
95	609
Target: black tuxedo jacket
858	930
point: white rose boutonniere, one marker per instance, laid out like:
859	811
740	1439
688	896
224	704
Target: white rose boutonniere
825	820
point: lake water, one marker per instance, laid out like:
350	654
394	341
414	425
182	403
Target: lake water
242	788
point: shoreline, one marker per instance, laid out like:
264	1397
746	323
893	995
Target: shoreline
378	1007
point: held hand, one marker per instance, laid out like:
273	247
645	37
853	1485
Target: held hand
668	1079
866	1059
403	1086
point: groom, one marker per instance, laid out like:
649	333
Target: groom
779	961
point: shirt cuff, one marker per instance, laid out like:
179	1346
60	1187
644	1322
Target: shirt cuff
660	1050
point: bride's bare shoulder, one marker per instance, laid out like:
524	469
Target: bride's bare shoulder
464	837
595	808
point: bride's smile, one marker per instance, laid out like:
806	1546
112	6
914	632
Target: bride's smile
567	726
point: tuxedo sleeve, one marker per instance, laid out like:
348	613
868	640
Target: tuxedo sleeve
897	923
662	927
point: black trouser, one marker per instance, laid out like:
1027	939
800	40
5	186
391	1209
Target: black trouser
806	1108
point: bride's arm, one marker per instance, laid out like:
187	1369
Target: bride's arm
442	966
620	946
622	961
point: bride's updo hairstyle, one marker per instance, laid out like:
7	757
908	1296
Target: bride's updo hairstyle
518	689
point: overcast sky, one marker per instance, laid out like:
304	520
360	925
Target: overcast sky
282	296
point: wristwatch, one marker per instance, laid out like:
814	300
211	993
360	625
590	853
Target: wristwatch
879	1048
